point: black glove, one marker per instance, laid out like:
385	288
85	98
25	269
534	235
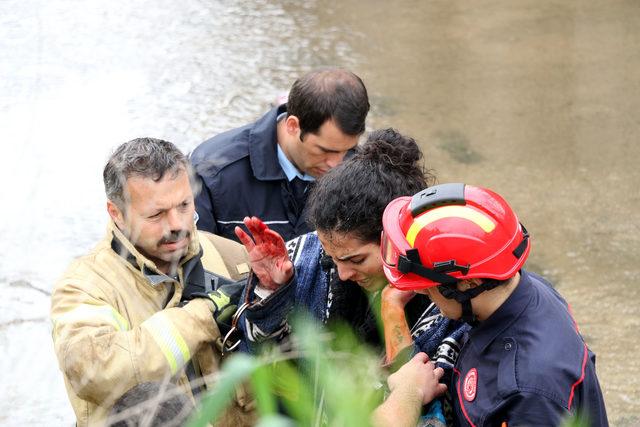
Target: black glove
225	301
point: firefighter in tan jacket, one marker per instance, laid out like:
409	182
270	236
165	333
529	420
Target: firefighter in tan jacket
117	314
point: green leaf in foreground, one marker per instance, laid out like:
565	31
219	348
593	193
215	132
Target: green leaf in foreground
237	370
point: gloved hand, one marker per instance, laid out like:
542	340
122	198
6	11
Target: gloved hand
225	302
267	253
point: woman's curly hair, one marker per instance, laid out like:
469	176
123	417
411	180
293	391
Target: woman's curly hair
351	198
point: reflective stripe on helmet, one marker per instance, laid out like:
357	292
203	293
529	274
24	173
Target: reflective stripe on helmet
465	212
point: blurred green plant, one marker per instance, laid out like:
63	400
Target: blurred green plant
331	378
579	420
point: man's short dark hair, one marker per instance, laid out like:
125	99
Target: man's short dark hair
151	404
329	94
145	157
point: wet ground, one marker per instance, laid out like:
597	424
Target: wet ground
538	100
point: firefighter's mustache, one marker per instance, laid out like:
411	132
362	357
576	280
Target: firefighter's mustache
175	236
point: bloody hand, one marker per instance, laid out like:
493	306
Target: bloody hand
267	253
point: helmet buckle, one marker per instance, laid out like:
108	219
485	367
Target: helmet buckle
405	261
449	266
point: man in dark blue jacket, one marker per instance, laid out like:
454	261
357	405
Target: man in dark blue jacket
264	169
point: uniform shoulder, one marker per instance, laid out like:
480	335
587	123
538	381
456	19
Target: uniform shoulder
92	273
221	150
89	263
551	357
232	253
222	243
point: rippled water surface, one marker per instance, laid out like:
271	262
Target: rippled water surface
538	100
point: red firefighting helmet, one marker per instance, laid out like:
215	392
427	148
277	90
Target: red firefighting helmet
451	232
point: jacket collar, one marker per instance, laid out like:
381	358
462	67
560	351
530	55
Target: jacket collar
510	310
126	250
263	142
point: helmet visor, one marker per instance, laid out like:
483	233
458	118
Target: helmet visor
393	243
388	250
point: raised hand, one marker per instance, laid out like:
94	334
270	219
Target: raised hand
267	253
395	297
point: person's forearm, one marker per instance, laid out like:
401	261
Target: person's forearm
402	408
396	331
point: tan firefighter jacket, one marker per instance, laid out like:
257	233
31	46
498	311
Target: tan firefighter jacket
116	323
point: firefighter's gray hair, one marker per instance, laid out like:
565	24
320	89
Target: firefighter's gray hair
144	157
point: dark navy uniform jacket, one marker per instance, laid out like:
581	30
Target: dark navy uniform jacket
240	176
527	365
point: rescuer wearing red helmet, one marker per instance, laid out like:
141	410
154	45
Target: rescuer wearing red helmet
524	361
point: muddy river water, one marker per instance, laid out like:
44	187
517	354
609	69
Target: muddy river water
538	100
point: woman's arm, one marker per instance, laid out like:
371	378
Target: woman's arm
397	335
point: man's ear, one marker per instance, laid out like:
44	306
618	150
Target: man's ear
292	125
116	214
474	283
465	284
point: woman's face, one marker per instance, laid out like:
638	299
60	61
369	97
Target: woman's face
356	260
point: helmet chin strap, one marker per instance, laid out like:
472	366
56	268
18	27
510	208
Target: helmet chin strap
451	291
411	263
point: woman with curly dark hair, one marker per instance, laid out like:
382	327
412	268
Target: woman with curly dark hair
338	268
